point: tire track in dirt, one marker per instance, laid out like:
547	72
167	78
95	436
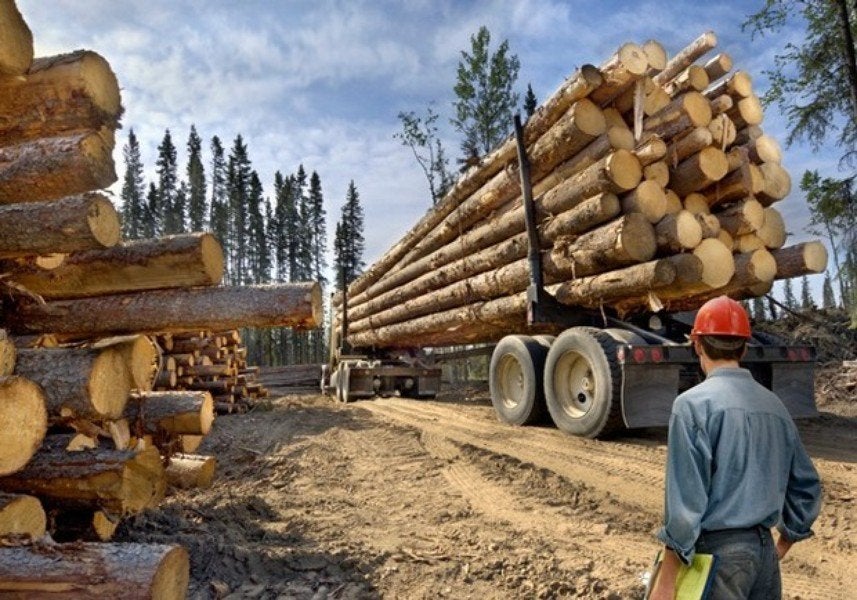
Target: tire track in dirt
632	473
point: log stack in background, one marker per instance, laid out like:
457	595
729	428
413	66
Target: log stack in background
654	188
212	361
84	439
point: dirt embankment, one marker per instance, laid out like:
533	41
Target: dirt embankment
403	499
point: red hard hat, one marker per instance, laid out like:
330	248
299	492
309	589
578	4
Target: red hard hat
722	316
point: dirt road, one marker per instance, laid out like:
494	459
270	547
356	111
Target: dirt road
395	498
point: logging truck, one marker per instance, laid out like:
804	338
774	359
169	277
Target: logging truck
580	248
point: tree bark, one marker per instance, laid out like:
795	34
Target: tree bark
141	355
718	66
639	279
83	526
742	218
696	140
776	184
95	570
738	85
16	41
647	199
56	167
23	422
78	382
118	481
764	149
747	111
59	94
186	260
693	78
275	305
8	354
686	111
173	413
620	71
806	258
186	471
687	56
677	233
650	149
72	224
704	168
21	517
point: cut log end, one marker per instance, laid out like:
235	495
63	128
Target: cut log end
23	422
625	170
21	515
717	262
16	50
633	58
656	55
104	221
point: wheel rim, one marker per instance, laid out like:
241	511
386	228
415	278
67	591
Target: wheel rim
575	387
511	381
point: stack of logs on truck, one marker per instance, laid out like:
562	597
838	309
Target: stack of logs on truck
84	441
652	188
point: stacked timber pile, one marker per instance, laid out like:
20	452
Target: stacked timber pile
291	376
84	441
654	188
213	362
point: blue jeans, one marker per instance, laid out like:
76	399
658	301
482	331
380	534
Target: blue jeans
747	564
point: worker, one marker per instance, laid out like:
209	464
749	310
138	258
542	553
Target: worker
735	469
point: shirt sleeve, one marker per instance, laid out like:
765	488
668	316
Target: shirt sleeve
803	496
688	477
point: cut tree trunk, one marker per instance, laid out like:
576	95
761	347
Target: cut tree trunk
194	259
747	111
634	280
141	355
764	149
648	199
174	413
688	145
718	66
686	111
723	131
78	382
620	71
275	305
59	94
186	471
23	422
678	232
739	84
16	41
21	517
693	78
72	224
742	218
659	172
806	258
773	229
704	168
56	167
686	57
91	571
650	149
776	184
120	482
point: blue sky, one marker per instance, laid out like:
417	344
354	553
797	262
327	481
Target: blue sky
320	83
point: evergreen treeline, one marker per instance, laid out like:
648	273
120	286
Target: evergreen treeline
281	238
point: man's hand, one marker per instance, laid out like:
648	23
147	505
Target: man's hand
783	545
664	587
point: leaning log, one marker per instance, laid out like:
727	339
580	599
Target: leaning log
56	167
23	422
59	94
78	382
193	259
94	570
73	224
21	517
16	41
686	57
276	305
119	481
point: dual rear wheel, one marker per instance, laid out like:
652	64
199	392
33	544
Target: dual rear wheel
575	378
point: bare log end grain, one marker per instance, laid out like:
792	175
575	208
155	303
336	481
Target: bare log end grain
23	422
16	51
21	516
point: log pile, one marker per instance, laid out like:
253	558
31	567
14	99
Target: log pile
291	376
215	362
653	187
84	439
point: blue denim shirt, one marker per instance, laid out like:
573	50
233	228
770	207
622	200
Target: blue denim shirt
735	460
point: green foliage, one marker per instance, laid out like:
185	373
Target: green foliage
196	183
348	242
165	220
530	102
133	190
789	295
814	84
806	300
828	298
420	134
485	94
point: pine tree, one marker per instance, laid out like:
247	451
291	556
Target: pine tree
420	134
530	102
174	221
485	100
828	297
318	229
789	295
218	222
238	191
806	301
151	219
258	253
167	186
197	209
758	309
133	190
348	241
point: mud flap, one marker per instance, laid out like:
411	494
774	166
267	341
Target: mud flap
793	383
648	392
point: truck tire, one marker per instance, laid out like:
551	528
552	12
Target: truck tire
515	380
583	382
